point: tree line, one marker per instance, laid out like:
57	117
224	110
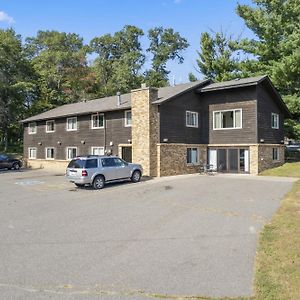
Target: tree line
53	68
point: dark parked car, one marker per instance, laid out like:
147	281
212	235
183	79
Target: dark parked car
8	162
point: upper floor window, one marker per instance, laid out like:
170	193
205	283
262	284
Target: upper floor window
50	126
72	124
227	119
127	118
49	153
275	121
192	156
32	153
191	119
97	121
32	128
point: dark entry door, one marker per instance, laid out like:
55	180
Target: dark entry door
127	154
233	163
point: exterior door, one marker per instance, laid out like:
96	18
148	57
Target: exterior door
127	154
213	158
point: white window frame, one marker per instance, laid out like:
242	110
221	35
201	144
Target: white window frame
29	128
225	110
67	127
67	152
46	153
198	156
186	119
126	118
29	154
277	158
49	131
277	120
92	123
95	147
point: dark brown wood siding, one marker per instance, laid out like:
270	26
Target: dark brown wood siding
266	105
114	132
172	117
244	98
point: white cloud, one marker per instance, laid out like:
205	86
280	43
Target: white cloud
4	17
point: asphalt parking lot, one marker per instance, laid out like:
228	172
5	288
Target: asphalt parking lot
192	235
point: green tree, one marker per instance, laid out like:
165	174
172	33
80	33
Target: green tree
276	49
218	59
59	60
119	60
165	45
17	88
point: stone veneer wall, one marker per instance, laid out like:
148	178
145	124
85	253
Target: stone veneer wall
171	159
145	129
261	157
51	165
265	157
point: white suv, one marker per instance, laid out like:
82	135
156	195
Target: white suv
96	170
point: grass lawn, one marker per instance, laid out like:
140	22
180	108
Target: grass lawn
278	256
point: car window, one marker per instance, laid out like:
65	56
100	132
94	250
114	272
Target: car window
108	162
76	164
3	157
119	162
91	163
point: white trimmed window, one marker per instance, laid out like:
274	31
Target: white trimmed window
192	156
32	153
97	150
275	153
97	121
49	153
191	118
71	152
227	119
275	121
72	124
32	129
50	126
127	118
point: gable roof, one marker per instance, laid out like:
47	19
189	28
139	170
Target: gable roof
110	103
233	83
244	82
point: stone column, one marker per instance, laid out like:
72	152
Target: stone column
145	129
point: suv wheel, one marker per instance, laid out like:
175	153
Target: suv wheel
136	176
16	166
98	182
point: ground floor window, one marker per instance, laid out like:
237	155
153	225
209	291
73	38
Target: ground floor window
32	153
97	150
49	153
192	156
275	153
71	152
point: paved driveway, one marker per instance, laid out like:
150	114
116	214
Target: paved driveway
185	236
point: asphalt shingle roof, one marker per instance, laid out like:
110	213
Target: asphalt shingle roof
110	103
233	83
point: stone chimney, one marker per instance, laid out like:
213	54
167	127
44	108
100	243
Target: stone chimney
145	128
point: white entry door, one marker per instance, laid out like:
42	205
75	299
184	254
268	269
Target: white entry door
213	158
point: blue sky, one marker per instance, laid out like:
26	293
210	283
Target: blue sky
92	18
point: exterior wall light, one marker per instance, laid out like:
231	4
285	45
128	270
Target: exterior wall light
129	141
40	143
262	140
111	143
82	142
59	143
165	140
